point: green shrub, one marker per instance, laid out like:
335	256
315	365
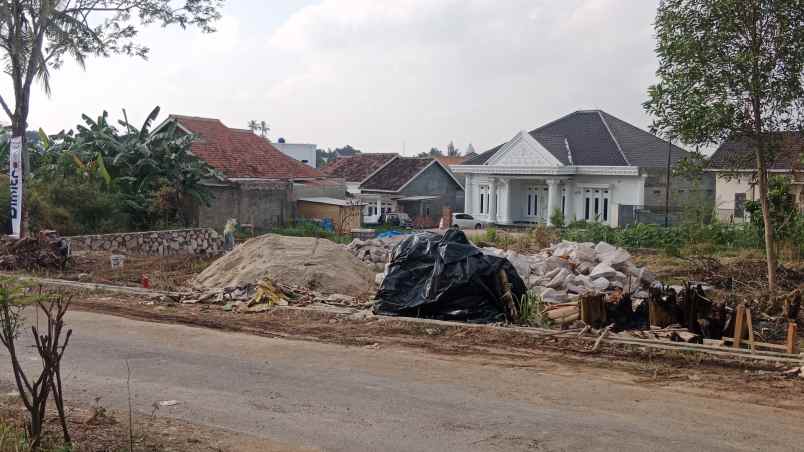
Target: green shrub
557	219
491	235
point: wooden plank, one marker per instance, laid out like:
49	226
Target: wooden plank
792	337
749	322
593	309
758	344
739	318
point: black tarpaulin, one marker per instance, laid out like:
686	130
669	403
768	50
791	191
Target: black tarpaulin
445	277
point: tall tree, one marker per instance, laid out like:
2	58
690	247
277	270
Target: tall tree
37	35
731	69
259	127
452	151
433	152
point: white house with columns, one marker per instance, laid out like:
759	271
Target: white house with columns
586	165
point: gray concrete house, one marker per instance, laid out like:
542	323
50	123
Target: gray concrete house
420	187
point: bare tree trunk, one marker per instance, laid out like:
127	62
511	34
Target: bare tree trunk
770	248
19	126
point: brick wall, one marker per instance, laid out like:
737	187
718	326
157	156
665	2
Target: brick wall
201	241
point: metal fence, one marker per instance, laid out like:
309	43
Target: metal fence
633	214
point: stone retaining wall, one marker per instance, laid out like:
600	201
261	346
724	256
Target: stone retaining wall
200	241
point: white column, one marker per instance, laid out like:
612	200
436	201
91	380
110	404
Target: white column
569	203
379	208
492	200
506	195
553	201
469	194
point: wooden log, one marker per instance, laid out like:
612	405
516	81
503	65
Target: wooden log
658	315
508	298
749	323
601	337
792	337
739	323
754	344
565	311
593	309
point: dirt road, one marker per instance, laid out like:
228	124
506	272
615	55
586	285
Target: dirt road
334	397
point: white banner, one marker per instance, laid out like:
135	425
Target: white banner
15	182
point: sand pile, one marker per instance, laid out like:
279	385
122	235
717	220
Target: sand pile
316	264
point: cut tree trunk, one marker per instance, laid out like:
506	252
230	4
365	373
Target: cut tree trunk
770	249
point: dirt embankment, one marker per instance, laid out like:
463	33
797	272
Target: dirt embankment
315	264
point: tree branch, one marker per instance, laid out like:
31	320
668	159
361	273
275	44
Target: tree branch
5	107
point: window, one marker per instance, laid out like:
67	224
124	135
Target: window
605	209
586	209
427	212
739	205
533	201
484	199
463	216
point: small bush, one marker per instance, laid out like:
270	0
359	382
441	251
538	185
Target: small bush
557	219
491	235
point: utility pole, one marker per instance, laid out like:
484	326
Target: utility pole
667	188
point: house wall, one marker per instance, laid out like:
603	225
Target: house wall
333	188
262	204
434	181
682	189
623	190
304	153
344	218
726	188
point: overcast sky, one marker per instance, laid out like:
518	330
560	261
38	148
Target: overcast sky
378	74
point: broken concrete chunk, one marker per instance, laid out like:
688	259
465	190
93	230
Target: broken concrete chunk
521	264
602	270
552	273
583	254
564	249
560	279
646	276
616	257
601	284
605	248
585	268
554	296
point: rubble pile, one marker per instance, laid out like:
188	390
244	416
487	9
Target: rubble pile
375	252
566	270
46	250
261	296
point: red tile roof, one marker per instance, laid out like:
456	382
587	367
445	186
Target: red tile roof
239	153
357	167
451	160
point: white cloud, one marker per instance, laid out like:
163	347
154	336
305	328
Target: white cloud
380	73
427	71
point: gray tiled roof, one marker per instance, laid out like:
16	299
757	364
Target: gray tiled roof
738	153
640	147
556	144
597	138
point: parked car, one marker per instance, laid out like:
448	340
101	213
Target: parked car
466	221
400	219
